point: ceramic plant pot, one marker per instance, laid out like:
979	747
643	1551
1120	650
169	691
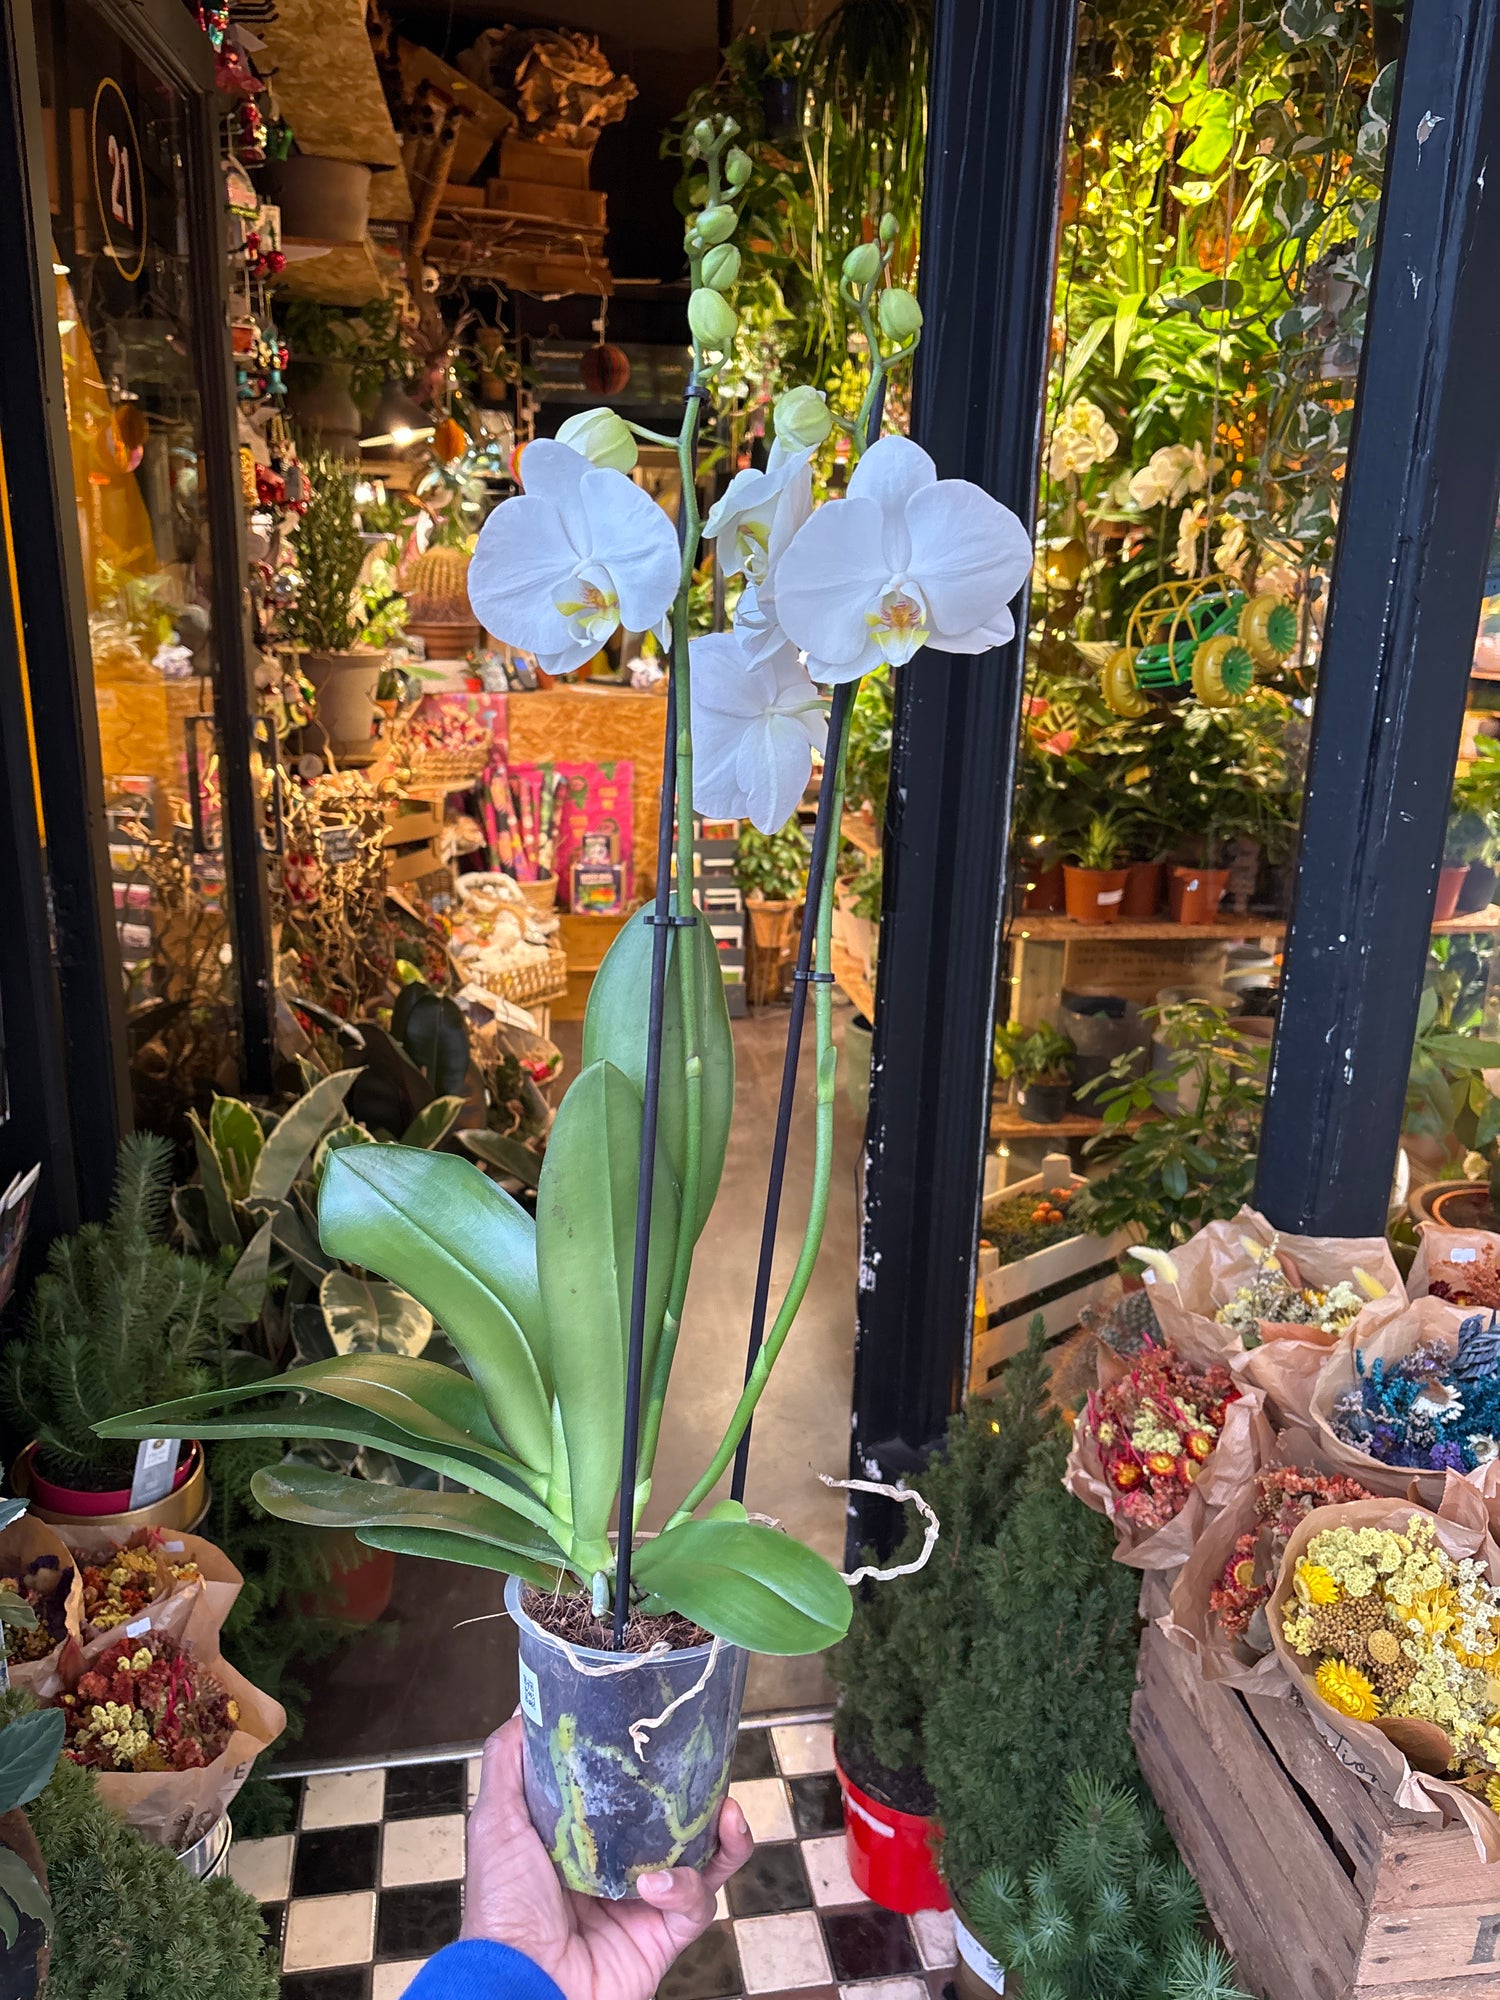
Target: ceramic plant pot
1045	1103
1451	880
978	1972
1142	889
1094	895
605	1811
319	399
1478	890
78	1507
345	684
891	1853
1194	894
321	201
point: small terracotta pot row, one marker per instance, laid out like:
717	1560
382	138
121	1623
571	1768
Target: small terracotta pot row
1105	895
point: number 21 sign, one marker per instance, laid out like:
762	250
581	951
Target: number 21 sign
118	189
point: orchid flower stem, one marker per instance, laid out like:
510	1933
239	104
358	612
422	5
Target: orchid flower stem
765	1360
677	735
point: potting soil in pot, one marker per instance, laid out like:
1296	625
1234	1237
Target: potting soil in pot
627	1754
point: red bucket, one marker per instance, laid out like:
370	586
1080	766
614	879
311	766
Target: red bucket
891	1853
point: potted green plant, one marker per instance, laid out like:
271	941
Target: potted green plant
1452	1118
1476	792
117	1313
1191	1157
326	622
1040	1062
906	1637
29	1750
771	869
1465	845
634	1649
1093	883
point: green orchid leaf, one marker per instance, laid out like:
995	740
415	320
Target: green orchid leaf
237	1139
21	1891
437	1545
214	1186
29	1749
1127	312
614	1031
749	1584
320	1499
368	1316
324	1419
585	1227
293	1137
435	1225
433	1123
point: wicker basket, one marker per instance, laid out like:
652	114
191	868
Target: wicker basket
528	985
541	896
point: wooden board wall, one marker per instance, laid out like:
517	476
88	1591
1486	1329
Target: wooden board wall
600	725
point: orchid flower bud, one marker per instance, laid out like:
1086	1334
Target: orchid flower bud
721	267
737	166
802	419
729	127
704	134
889	228
900	315
862	265
602	438
712	319
717	224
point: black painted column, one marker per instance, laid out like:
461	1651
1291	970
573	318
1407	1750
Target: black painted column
1419	508
1001	71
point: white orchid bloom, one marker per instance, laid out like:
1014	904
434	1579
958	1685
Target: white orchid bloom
906	560
743	519
582	551
755	619
756	724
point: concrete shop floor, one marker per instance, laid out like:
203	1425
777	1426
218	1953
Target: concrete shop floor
424	1678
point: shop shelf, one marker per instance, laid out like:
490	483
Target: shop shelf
849	975
1053	929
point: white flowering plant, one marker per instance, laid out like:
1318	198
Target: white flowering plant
567	1323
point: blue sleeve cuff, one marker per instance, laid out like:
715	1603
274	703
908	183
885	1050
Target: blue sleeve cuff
478	1969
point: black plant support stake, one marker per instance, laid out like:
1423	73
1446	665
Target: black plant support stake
822	847
661	917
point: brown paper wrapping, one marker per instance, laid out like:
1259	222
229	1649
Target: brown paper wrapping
1461	1263
1425	1319
176	1808
1212	1266
1462	1530
171	1606
21	1543
1245	1438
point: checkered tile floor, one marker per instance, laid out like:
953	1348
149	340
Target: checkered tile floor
370	1885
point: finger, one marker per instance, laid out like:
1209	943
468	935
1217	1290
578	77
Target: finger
680	1894
736	1844
501	1782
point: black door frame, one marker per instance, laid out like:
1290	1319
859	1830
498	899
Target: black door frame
89	1004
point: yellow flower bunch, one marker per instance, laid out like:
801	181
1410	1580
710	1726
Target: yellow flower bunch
1345	1688
119	1729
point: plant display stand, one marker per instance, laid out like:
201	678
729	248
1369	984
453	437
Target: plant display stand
1057	1281
1321	1888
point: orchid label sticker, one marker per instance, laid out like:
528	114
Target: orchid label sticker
531	1696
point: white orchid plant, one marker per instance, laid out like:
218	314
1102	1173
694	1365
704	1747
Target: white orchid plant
567	1324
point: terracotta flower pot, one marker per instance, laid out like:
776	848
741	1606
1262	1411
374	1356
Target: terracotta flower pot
1045	896
1142	889
1451	879
891	1853
1194	894
772	920
345	684
78	1507
360	1581
1094	895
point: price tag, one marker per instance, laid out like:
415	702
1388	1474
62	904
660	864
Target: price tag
1464	1254
155	1467
138	1628
1111	896
1148	1277
531	1696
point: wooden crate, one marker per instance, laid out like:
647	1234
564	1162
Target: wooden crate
1057	1282
531	160
543	201
585	939
1321	1888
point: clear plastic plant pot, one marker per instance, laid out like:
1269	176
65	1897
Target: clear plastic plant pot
627	1756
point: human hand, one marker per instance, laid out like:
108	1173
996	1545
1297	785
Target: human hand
592	1950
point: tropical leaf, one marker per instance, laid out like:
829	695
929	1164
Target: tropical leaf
20	1892
236	1136
29	1748
368	1316
433	1123
513	1159
293	1136
750	1584
585	1225
245	1289
435	1036
435	1225
614	1031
